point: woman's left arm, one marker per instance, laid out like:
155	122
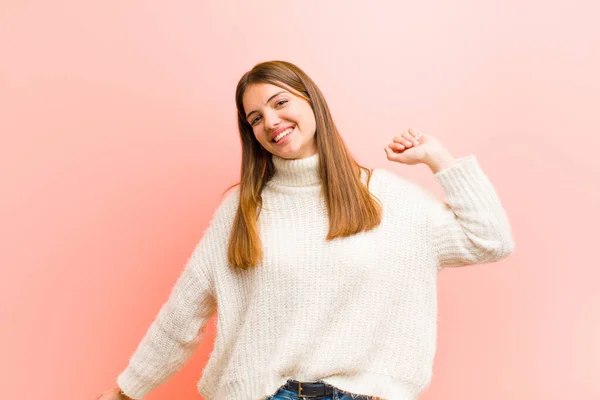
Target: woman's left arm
471	227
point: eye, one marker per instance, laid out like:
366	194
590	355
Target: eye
255	120
281	102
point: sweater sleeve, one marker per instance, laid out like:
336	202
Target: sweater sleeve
178	328
472	226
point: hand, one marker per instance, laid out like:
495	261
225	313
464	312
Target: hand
414	147
113	394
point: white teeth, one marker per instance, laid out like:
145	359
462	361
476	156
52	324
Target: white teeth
283	134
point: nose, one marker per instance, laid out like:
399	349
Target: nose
272	120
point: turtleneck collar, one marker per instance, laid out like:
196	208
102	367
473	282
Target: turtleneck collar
297	173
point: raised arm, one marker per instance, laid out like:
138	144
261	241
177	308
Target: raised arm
471	227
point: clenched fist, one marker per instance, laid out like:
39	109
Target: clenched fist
413	147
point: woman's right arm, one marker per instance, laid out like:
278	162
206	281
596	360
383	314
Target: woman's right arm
178	328
175	333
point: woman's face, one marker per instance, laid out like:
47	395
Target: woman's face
274	112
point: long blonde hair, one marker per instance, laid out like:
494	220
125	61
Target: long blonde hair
350	206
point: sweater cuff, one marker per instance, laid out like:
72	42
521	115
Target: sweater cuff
461	174
132	386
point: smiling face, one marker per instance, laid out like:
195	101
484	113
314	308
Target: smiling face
282	122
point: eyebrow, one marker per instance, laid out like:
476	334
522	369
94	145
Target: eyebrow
267	102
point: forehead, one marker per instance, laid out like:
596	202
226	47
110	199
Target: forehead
256	94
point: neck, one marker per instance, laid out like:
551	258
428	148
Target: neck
298	172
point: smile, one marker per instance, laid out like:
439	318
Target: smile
283	134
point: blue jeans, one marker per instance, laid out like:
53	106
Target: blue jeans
338	394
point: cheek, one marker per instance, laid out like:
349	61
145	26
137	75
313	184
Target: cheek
260	136
310	117
305	113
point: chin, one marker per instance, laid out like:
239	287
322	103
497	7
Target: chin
286	153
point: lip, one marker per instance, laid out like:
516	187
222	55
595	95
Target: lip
278	131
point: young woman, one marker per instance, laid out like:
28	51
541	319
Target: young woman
323	272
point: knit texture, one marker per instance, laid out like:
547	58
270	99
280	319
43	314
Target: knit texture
359	313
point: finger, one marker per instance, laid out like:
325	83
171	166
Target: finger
417	134
404	139
396	146
411	138
393	156
388	152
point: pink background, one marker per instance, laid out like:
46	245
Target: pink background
119	135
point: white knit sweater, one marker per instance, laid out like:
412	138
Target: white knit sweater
359	313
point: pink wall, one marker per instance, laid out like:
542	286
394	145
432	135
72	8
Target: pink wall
119	134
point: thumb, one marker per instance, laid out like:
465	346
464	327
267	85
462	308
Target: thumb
392	156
